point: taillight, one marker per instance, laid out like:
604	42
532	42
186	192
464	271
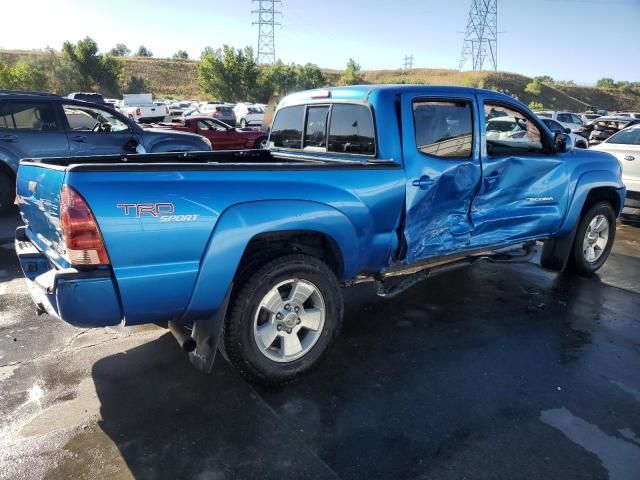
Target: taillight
80	231
138	112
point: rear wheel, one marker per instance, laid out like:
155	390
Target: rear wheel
260	143
594	238
7	193
282	319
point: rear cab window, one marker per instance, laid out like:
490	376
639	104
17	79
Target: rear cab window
339	128
25	115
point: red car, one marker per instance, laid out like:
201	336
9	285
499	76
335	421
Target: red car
221	135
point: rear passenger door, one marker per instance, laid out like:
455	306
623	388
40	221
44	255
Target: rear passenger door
524	188
31	128
441	158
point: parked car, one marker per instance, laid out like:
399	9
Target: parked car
567	119
222	112
252	246
556	127
635	115
507	128
221	135
602	128
625	146
248	115
88	97
141	108
588	117
44	125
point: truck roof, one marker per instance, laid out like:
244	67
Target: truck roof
361	93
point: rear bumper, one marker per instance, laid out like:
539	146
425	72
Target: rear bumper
86	299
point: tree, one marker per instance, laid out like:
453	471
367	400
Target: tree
95	71
534	87
545	79
309	76
533	105
143	52
350	75
138	84
22	76
181	55
120	50
606	83
228	74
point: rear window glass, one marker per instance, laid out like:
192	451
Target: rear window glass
286	131
28	116
315	132
351	130
443	129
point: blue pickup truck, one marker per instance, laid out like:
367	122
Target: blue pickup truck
36	124
248	249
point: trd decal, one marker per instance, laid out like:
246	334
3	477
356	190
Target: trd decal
163	211
153	209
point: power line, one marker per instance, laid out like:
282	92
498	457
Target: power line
266	22
481	36
408	62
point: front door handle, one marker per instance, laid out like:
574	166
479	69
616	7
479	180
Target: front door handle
423	182
79	138
630	158
9	138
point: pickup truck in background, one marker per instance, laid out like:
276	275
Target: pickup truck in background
221	135
140	108
44	125
249	248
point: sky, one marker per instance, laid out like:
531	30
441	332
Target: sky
579	40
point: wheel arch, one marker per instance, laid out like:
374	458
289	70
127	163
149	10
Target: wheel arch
300	226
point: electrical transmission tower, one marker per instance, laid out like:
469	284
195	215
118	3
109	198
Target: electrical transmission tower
266	21
408	62
481	37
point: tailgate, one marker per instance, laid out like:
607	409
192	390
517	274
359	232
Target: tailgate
38	189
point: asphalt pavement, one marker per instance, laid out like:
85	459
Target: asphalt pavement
492	372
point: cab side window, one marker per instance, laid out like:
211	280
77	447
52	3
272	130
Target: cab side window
444	128
351	130
28	116
510	132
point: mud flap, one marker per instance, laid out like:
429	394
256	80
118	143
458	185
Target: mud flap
206	333
556	251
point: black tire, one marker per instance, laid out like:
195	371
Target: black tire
239	341
7	193
258	143
578	260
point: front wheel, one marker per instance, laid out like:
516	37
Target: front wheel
282	319
594	238
260	143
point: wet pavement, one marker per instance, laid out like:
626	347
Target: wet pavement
496	371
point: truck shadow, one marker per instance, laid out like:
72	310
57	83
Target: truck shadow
426	383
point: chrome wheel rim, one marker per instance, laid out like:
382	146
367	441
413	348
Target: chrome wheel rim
289	320
596	238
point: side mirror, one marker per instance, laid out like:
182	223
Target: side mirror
567	130
562	143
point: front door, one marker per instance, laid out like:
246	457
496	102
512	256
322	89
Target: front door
441	158
96	131
524	189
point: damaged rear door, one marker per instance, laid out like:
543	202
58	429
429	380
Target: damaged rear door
442	164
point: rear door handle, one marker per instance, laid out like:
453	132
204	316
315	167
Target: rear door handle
79	138
630	158
423	182
9	138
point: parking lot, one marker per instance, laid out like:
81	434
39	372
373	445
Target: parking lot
496	371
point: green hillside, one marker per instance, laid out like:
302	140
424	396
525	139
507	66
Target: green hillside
177	79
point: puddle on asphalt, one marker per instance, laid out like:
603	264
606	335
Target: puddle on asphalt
618	456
